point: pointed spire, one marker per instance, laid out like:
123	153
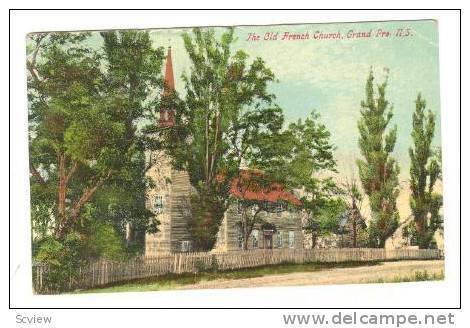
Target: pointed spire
169	86
167	114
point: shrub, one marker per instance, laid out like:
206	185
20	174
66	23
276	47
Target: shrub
104	242
62	259
213	266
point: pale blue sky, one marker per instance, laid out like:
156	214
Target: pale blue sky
329	75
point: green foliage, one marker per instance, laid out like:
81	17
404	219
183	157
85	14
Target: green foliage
355	227
326	220
409	233
378	170
299	155
425	170
104	242
62	258
417	276
227	106
296	153
291	157
202	267
205	218
85	106
62	86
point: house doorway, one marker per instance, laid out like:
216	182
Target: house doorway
268	239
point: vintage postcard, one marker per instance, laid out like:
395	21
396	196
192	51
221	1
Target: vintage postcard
244	156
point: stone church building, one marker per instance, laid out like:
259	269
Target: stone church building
169	199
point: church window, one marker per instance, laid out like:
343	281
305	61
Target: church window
186	246
158	204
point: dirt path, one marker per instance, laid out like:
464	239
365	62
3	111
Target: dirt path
386	271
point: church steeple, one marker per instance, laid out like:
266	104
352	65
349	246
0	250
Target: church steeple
167	114
169	78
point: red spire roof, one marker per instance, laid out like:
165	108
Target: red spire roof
169	85
167	115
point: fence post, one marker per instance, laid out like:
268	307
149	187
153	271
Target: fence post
179	263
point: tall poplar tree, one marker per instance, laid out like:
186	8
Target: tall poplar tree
378	170
425	170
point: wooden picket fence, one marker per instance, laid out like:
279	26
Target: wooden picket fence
101	273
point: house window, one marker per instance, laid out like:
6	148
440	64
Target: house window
279	239
240	237
186	246
255	238
279	207
158	204
275	207
291	239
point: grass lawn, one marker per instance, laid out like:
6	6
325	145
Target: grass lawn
172	281
417	276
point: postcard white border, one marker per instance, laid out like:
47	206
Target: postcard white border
428	294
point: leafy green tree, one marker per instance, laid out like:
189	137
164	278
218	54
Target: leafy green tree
85	105
378	170
323	218
280	160
301	157
307	160
297	153
66	123
223	94
425	170
293	158
133	69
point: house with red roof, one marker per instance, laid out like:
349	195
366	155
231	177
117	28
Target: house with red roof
279	224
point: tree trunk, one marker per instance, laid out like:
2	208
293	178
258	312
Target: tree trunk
314	239
355	217
216	144
247	226
245	241
246	233
354	239
70	219
36	174
382	242
204	223
62	188
207	149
